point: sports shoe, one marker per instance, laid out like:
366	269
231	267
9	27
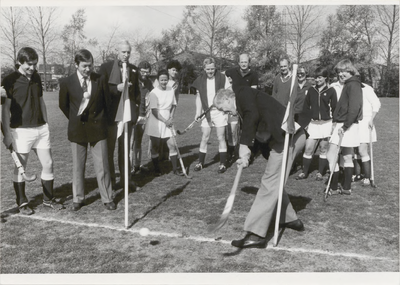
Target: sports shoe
366	182
53	204
334	192
198	166
25	210
319	177
222	168
355	178
301	176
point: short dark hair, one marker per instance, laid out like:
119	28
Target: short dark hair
83	55
144	65
27	54
321	71
162	72
174	63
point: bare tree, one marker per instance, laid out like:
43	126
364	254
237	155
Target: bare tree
73	36
43	31
13	28
389	21
209	22
303	28
108	46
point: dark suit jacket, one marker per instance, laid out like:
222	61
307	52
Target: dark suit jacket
115	95
257	109
91	126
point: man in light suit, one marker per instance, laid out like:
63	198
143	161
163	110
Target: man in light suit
112	70
255	107
83	100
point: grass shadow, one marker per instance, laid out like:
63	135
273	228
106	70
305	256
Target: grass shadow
172	193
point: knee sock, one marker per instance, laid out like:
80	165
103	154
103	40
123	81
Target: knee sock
222	157
202	157
306	163
357	168
335	180
322	164
156	164
174	162
366	165
348	172
19	188
47	189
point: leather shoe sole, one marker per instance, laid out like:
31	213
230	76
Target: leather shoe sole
296	225
246	243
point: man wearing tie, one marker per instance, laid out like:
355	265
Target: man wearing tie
83	100
114	76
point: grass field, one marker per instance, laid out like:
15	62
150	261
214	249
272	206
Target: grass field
357	233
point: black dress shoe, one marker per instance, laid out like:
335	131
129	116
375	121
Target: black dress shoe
250	241
110	206
296	225
77	206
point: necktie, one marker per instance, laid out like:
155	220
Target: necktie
84	85
86	97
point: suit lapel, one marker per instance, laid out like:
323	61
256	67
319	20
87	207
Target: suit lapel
93	92
76	86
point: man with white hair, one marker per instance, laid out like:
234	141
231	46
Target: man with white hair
113	72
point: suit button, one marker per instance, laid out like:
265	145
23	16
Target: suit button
95	122
83	123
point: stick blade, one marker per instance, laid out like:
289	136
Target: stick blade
29	178
220	224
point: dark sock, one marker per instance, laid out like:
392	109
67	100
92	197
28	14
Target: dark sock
366	165
174	162
357	168
306	165
322	165
335	180
19	188
47	189
156	164
222	157
348	172
202	157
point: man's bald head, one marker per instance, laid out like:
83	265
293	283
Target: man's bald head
244	61
124	51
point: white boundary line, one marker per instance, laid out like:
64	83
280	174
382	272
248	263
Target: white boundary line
204	239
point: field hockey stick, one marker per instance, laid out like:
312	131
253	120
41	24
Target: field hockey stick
178	152
18	164
372	180
198	119
335	161
20	167
229	203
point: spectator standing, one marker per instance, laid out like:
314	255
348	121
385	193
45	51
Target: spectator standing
83	100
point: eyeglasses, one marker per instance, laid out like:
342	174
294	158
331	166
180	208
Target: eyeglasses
144	72
301	74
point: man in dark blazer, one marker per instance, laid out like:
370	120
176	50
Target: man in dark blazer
255	107
112	70
83	100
